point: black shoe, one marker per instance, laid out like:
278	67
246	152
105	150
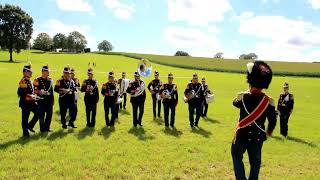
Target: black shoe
31	130
140	125
172	126
26	136
72	125
64	126
196	125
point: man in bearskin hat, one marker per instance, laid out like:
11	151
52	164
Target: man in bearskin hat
91	97
110	93
285	107
255	107
43	86
169	94
66	88
27	101
136	89
155	84
194	96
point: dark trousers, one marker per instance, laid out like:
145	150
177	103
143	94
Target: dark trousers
117	110
109	106
194	107
155	102
76	110
91	111
25	118
64	107
205	109
284	118
137	119
169	107
254	153
124	96
45	116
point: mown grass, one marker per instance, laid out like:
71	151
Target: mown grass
151	152
229	65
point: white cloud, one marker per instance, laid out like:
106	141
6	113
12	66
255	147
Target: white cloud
196	12
246	15
315	4
282	38
120	9
193	40
274	1
75	5
213	29
282	30
54	26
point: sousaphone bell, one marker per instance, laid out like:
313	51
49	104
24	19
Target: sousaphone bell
144	68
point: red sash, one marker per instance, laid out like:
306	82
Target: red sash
253	116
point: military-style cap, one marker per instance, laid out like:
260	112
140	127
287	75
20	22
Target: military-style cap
111	74
90	71
259	74
136	74
170	75
156	73
124	73
45	68
27	68
66	69
195	76
286	85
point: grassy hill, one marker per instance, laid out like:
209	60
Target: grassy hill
151	152
230	65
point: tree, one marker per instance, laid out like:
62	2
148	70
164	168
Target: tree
59	41
15	28
76	41
43	42
219	55
105	46
251	56
181	53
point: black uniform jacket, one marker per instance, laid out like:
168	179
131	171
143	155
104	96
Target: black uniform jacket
255	131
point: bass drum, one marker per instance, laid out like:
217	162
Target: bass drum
209	98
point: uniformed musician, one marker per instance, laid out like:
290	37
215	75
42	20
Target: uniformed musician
110	94
27	101
66	89
154	87
285	107
136	89
169	96
91	97
43	86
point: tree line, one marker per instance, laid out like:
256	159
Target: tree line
219	55
16	28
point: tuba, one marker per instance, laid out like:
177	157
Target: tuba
138	90
189	96
144	68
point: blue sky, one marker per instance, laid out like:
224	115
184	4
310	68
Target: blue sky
286	30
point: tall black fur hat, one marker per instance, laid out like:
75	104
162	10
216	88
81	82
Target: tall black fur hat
259	74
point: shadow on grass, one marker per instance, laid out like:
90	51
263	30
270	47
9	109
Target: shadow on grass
301	141
22	140
13	62
106	131
158	121
294	139
87	131
201	132
173	132
124	112
211	120
59	134
140	133
38	52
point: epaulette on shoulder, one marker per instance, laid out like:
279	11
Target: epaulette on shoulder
271	101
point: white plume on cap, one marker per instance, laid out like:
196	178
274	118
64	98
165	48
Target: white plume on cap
249	67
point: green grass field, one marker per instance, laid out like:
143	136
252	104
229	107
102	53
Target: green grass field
152	152
232	65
